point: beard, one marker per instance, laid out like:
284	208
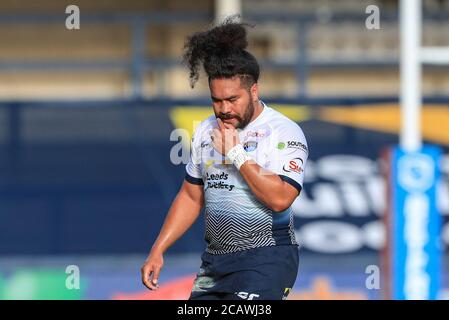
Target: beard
242	122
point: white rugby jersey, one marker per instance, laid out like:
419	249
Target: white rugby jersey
235	219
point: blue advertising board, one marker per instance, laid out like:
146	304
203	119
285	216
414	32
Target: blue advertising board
415	224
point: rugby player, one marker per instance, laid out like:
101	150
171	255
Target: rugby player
246	168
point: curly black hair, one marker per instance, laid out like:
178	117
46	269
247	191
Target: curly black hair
221	51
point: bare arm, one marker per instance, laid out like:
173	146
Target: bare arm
268	187
182	214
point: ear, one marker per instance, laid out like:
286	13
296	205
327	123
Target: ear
254	91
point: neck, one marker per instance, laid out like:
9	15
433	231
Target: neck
258	108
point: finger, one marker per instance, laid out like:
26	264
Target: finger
214	138
217	141
146	278
229	136
228	125
216	135
151	284
220	124
155	280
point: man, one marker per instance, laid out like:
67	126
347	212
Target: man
246	168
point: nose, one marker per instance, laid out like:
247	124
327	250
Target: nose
226	107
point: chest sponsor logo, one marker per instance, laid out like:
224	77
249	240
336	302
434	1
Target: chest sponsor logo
217	181
250	146
292	145
257	134
205	144
297	145
294	165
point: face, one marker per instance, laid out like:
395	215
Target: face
232	102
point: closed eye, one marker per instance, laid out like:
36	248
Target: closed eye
230	99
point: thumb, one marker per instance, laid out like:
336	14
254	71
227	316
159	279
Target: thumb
221	125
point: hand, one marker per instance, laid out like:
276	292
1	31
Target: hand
225	137
151	268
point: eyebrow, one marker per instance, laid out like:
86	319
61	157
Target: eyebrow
227	98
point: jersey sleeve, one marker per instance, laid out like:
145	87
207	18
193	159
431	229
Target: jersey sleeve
193	170
288	160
